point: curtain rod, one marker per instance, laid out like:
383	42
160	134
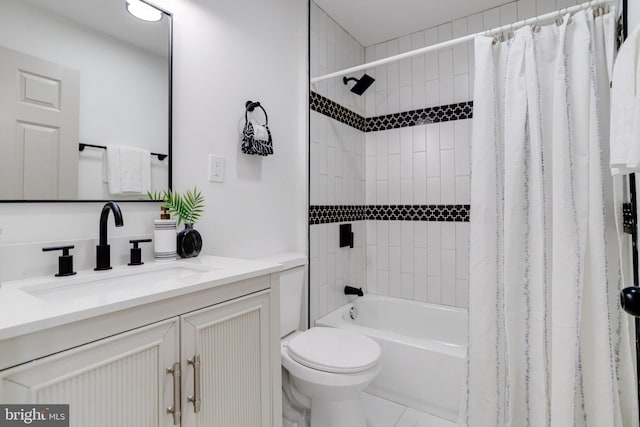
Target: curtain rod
464	39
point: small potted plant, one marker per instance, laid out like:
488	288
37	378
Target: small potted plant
186	208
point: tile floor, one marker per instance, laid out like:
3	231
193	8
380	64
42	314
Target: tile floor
384	413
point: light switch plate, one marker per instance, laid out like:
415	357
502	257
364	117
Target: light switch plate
216	168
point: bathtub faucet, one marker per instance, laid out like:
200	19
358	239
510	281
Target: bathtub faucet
350	290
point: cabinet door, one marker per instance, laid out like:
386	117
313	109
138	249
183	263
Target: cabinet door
118	381
231	343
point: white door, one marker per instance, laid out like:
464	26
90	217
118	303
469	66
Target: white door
119	381
232	381
39	110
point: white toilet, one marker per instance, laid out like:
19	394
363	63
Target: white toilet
325	369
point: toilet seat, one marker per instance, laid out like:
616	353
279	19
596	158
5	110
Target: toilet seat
334	350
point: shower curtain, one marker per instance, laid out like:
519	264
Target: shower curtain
548	344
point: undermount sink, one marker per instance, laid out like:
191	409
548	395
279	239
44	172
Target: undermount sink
92	286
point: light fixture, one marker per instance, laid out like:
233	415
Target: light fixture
143	11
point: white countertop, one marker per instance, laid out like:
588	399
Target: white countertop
22	313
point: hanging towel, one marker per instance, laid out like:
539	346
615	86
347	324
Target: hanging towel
625	108
128	170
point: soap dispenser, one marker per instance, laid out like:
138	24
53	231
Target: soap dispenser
164	237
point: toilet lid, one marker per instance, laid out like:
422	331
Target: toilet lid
334	350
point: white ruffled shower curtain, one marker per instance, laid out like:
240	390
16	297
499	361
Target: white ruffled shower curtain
548	344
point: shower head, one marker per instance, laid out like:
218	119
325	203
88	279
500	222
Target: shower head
362	84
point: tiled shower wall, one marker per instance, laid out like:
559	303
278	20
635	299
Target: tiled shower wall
336	171
415	165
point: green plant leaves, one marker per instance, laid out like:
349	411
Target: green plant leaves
186	208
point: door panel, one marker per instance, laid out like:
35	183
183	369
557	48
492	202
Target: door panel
232	340
42	97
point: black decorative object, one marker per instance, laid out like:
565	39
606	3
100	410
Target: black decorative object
103	250
189	242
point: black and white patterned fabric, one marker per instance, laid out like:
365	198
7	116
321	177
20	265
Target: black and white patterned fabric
252	145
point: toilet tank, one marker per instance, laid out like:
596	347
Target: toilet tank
293	281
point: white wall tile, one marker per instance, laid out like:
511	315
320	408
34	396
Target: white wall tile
447	178
462	293
433	93
383	244
408	289
462	250
419	138
407	245
461	87
462	139
406	98
406	153
420	274
394	179
382	191
395	233
447	135
433	150
434	289
395	273
420	234
393	138
509	13
434	248
383	282
448	277
372	269
406	191
463	190
448	235
434	191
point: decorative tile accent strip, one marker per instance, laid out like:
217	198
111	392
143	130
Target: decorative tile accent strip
423	116
341	213
434	213
336	111
448	213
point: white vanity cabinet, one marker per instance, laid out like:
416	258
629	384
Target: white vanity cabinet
210	365
117	381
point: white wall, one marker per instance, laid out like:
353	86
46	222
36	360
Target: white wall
119	104
223	56
633	14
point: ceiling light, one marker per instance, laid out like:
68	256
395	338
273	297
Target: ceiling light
143	11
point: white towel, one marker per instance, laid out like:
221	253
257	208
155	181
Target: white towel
260	132
128	170
625	108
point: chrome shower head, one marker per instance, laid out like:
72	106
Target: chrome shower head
362	84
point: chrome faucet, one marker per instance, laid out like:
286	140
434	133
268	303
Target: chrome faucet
103	250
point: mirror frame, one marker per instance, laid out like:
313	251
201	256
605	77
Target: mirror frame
169	16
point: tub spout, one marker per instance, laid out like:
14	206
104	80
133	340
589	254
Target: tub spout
350	290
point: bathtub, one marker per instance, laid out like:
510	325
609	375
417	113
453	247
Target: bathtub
423	350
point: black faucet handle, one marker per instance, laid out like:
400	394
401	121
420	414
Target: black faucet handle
136	252
65	261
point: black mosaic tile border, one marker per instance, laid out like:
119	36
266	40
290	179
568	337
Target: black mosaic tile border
346	213
336	111
336	213
423	116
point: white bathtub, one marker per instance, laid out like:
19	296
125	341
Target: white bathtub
423	350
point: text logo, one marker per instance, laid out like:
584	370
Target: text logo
34	415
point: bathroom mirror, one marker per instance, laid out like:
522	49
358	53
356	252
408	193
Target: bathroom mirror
75	76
